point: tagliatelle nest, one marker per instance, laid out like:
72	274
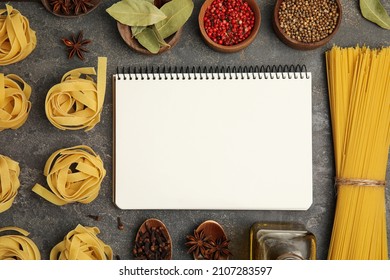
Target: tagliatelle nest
9	182
14	101
17	39
73	174
17	247
82	244
77	102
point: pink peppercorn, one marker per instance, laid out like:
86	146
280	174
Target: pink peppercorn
229	22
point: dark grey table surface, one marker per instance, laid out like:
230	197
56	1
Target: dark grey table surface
37	139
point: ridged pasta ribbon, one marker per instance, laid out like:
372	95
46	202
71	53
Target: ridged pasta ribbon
9	182
77	102
18	247
82	244
14	101
17	39
73	174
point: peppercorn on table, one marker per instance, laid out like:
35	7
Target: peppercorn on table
32	144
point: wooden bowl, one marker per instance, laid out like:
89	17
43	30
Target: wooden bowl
46	4
237	47
125	32
298	44
155	223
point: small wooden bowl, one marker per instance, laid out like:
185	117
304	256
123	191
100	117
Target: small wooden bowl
295	43
150	223
125	32
234	48
46	4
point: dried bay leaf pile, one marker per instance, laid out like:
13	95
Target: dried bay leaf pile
149	24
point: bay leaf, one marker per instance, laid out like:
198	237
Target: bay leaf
136	12
177	13
148	39
135	30
160	39
375	12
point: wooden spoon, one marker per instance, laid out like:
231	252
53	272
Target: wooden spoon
149	231
215	231
46	4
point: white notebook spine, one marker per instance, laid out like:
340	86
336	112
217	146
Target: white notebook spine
220	73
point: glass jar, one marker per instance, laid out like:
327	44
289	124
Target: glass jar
281	241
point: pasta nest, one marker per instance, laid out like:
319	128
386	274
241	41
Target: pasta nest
14	101
82	243
17	39
77	102
73	175
17	247
9	182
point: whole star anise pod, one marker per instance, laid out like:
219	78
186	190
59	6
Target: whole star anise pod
199	243
219	249
82	6
76	46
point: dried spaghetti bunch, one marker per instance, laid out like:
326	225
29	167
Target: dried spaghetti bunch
359	94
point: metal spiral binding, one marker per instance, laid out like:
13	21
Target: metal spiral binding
221	73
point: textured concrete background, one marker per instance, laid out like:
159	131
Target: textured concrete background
37	139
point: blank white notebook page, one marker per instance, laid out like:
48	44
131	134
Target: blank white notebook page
241	143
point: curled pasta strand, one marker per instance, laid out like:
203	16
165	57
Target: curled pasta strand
73	175
82	244
9	182
77	102
18	247
14	101
17	39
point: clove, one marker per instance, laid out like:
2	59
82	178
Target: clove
120	224
95	217
151	244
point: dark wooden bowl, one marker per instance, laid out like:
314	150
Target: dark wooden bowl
46	4
148	224
234	48
295	43
125	32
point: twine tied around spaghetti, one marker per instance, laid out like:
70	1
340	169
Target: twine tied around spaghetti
359	182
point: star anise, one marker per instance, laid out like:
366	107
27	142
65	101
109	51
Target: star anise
61	6
219	249
82	6
199	243
76	46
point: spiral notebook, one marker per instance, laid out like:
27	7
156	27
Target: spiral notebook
216	138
